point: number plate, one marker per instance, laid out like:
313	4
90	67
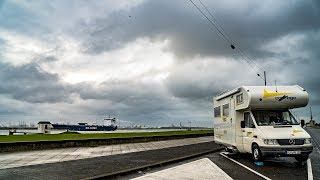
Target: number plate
293	152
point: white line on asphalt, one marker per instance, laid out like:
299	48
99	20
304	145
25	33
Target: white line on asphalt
265	177
316	144
310	175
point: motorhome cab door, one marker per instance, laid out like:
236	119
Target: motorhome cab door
247	131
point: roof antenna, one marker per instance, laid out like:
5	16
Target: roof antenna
311	118
275	82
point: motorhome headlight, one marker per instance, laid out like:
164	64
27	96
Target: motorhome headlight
307	141
270	141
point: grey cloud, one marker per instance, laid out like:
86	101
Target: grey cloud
190	34
187	92
201	80
31	83
142	103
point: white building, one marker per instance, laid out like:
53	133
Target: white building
44	127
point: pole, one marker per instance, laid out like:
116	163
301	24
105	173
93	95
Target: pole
265	78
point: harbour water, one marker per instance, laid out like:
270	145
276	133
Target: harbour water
33	131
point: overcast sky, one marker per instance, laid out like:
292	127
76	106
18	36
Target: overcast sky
152	63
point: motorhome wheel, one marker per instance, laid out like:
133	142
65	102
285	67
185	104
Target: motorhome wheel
256	153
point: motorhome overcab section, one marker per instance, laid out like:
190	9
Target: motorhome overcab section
257	120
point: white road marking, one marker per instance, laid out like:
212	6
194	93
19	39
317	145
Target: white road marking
310	175
263	176
200	169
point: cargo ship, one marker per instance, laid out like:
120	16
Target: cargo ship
87	127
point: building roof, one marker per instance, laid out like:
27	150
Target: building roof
44	122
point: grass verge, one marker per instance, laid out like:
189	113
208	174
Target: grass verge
73	136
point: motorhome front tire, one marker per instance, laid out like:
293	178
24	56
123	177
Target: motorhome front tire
256	153
302	158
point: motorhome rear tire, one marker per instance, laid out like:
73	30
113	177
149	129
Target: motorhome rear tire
256	153
302	158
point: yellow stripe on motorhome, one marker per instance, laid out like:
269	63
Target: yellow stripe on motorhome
296	131
267	94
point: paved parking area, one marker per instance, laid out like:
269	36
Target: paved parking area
106	167
17	159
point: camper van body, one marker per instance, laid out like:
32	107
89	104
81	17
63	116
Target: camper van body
257	120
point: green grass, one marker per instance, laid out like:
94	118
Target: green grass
73	136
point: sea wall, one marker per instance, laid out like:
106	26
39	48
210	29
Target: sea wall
37	145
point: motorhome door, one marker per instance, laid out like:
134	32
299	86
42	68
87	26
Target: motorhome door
247	131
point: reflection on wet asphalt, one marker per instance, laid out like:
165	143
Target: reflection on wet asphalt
273	168
315	155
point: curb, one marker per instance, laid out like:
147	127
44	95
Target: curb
109	175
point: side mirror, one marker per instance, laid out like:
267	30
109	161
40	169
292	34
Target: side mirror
242	124
302	123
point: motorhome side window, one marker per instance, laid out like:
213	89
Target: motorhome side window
225	109
239	99
248	120
217	112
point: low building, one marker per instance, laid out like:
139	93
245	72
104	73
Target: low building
312	123
44	127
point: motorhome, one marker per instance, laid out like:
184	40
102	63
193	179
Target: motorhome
258	120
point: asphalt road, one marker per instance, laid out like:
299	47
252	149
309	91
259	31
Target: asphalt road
273	168
104	167
315	155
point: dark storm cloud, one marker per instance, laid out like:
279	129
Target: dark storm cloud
251	24
128	93
186	94
190	34
31	83
143	103
134	100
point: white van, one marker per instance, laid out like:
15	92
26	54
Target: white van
257	120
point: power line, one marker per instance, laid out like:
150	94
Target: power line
222	29
243	53
210	21
223	32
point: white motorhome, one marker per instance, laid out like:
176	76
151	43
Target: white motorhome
257	120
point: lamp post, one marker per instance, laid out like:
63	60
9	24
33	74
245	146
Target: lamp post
264	77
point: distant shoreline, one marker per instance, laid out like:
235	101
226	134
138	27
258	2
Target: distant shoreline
126	128
9	128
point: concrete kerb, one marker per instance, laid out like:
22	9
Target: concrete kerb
40	145
127	171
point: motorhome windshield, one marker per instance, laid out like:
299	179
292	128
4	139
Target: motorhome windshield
271	118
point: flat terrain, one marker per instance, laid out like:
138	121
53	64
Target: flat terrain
72	136
105	165
27	158
135	158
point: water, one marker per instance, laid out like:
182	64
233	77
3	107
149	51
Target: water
32	131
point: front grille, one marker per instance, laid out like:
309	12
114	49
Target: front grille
290	141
